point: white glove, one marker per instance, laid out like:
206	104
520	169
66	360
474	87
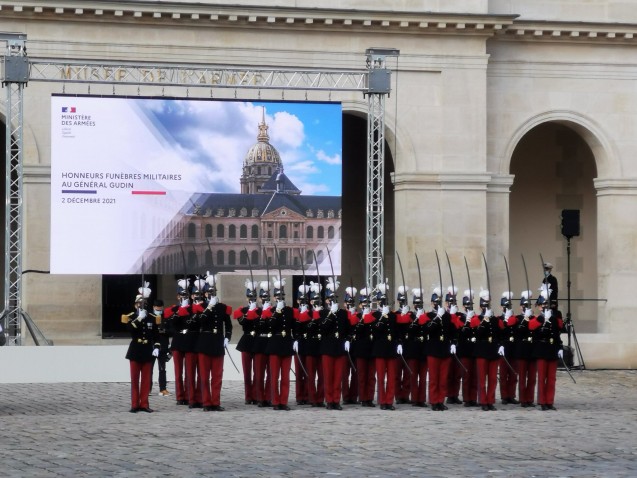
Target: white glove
303	308
508	314
404	309
399	349
501	350
453	349
470	314
352	310
488	313
419	312
385	310
213	301
527	313
295	346
184	303
141	315
253	305
347	346
366	310
334	308
155	352
226	341
548	314
440	312
560	354
280	305
266	305
453	309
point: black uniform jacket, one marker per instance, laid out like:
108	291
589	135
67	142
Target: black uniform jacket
145	338
215	326
334	332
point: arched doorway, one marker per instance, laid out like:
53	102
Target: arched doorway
553	170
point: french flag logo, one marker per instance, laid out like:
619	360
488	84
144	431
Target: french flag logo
68	109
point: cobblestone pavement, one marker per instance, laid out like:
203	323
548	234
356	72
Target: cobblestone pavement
85	429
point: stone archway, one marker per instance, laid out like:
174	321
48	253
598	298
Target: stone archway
554	168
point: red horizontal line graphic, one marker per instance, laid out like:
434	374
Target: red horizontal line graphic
156	193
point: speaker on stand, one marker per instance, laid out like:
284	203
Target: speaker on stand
570	229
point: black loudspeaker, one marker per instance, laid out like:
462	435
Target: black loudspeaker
570	222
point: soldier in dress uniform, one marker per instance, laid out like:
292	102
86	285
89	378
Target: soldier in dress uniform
404	319
465	350
441	332
215	332
455	368
262	374
508	378
360	345
247	319
165	332
547	349
302	319
177	316
350	374
334	327
415	350
385	349
280	348
488	351
523	351
316	388
144	347
550	281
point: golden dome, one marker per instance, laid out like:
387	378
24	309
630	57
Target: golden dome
262	151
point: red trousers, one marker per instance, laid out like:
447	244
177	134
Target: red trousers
179	362
140	383
211	374
350	382
280	378
262	378
315	386
454	378
527	369
508	379
438	377
403	379
301	384
418	380
192	379
333	377
469	380
546	377
366	370
386	375
247	363
487	380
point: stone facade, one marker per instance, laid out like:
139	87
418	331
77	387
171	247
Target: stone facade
502	114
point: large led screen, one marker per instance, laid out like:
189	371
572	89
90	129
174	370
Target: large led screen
163	186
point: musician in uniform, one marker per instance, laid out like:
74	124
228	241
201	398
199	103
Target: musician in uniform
360	345
488	351
248	322
215	333
508	372
523	351
385	349
334	327
280	348
465	350
144	347
547	349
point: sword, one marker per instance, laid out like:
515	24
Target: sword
230	357
453	287
402	275
466	265
460	363
405	363
567	369
509	365
301	364
351	362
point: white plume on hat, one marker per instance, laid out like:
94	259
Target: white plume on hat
403	289
331	285
252	285
211	279
315	287
365	291
351	291
416	292
304	289
199	284
544	292
469	293
144	291
184	283
484	294
382	287
526	294
507	295
264	284
278	282
453	290
436	291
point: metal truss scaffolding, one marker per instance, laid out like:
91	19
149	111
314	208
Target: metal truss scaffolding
19	70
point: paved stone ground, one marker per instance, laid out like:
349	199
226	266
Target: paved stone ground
85	429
